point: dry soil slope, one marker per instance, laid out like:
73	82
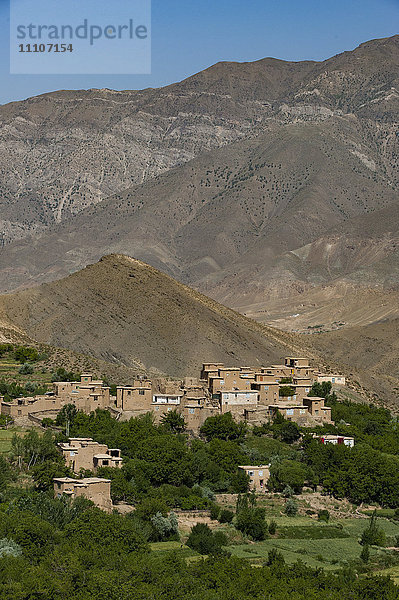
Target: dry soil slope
368	354
122	310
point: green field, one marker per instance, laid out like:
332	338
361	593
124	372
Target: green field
320	545
317	544
6	437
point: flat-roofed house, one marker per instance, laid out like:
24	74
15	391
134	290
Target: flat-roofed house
334	379
336	440
93	488
237	401
258	476
83	454
317	409
267	388
137	397
87	394
23	407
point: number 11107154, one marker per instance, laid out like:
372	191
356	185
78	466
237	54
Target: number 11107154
45	48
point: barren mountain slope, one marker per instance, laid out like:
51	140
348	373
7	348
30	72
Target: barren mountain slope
124	311
64	151
368	354
225	221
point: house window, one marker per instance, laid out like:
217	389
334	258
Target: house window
129	393
222	382
266	388
191	411
141	392
250	473
260	473
105	463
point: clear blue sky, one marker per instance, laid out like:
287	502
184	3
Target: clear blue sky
190	36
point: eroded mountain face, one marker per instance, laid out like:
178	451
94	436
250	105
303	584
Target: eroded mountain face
65	151
271	186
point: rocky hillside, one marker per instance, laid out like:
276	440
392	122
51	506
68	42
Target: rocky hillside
270	186
67	150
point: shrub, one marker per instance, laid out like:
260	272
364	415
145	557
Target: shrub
226	516
291	508
323	515
373	535
203	541
214	512
251	521
164	527
272	527
365	553
9	548
25	369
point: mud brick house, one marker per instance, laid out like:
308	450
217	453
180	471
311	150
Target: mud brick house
83	454
137	397
87	394
258	476
93	488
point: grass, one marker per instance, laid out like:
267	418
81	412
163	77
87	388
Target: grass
327	545
9	371
174	546
326	553
392	572
6	437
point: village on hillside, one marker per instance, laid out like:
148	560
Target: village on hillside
251	395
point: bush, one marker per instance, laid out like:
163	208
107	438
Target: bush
203	541
272	527
25	369
291	508
373	535
164	527
226	516
365	553
23	354
214	512
323	515
9	548
251	521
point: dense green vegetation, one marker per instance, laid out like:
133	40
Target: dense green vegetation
53	549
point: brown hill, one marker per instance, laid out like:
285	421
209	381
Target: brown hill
124	311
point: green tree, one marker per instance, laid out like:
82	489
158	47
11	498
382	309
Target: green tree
26	369
203	541
223	427
289	432
365	553
373	535
173	421
287	473
251	521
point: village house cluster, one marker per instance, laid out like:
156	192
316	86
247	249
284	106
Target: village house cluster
254	395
